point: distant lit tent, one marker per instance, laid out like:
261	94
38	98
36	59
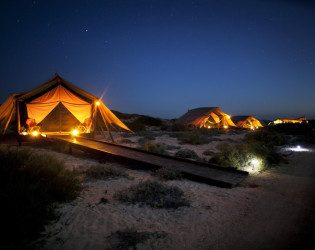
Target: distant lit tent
57	106
209	117
290	120
248	122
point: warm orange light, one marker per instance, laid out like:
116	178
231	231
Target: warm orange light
34	133
75	132
225	126
97	103
209	127
43	135
228	116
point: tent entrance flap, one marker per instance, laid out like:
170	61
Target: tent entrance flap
60	119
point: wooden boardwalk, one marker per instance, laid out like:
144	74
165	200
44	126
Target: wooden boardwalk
203	172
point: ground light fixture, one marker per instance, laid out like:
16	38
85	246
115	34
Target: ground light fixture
299	148
75	132
34	133
254	161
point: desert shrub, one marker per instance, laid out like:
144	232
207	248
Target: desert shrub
130	237
124	116
245	156
180	127
125	140
126	134
305	131
154	148
165	127
172	147
60	147
195	137
135	126
149	121
232	155
208	153
168	174
268	136
105	171
30	186
187	154
153	194
142	141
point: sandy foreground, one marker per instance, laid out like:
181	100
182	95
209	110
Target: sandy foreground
270	210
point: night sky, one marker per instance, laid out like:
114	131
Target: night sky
161	58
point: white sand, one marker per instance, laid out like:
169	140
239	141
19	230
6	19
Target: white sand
270	210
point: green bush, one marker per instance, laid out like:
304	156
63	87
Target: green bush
243	155
153	194
187	154
105	171
168	174
30	186
256	152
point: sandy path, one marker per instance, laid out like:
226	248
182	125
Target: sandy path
282	212
277	214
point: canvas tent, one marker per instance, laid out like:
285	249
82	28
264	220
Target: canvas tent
209	117
57	106
248	122
290	120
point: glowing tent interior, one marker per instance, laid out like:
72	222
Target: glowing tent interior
290	120
209	117
57	106
248	122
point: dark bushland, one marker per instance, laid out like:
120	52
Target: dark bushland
304	131
30	187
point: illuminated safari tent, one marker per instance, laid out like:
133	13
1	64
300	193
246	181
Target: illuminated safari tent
248	122
56	106
290	120
208	117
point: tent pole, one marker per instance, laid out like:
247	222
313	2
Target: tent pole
106	127
18	116
109	131
7	123
102	130
93	120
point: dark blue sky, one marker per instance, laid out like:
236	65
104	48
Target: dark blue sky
161	58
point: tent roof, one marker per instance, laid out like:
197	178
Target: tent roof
198	115
42	99
53	82
238	118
